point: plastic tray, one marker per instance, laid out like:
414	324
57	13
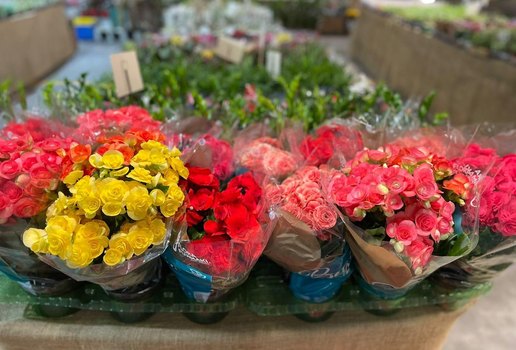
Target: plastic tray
265	293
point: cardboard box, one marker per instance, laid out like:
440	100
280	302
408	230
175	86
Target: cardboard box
35	43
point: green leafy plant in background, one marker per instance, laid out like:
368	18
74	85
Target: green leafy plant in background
488	31
181	83
7	103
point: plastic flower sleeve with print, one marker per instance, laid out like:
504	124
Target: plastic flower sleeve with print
307	239
400	207
114	223
490	153
224	233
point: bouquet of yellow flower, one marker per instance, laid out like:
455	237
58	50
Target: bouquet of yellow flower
114	219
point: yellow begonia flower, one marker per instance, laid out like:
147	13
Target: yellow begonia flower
141	159
64	222
155	181
158	197
73	177
121	243
92	230
174	152
113	208
158	153
153	144
94	246
113	257
178	165
112	190
113	159
90	205
170	177
138	202
60	205
175	193
78	256
36	240
159	230
85	187
96	161
120	172
170	207
140	174
59	241
140	239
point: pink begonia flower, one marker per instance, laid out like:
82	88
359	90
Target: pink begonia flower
404	231
419	252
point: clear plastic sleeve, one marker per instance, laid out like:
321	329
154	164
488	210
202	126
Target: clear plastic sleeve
97	123
491	151
225	225
183	133
208	269
332	143
134	274
389	268
266	156
21	265
307	239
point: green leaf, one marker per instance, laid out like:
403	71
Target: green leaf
22	96
459	245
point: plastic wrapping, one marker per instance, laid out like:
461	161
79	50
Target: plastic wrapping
31	158
31	153
212	153
307	239
22	266
492	152
98	123
184	133
112	220
267	157
222	237
332	143
397	205
135	273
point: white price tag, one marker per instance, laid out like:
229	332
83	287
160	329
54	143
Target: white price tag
273	63
126	73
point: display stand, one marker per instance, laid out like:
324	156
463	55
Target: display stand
472	87
419	328
34	43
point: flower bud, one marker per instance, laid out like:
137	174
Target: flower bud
382	189
359	213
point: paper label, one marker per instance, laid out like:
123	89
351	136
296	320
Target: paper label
231	50
273	63
126	73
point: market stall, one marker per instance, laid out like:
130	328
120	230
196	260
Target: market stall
223	202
